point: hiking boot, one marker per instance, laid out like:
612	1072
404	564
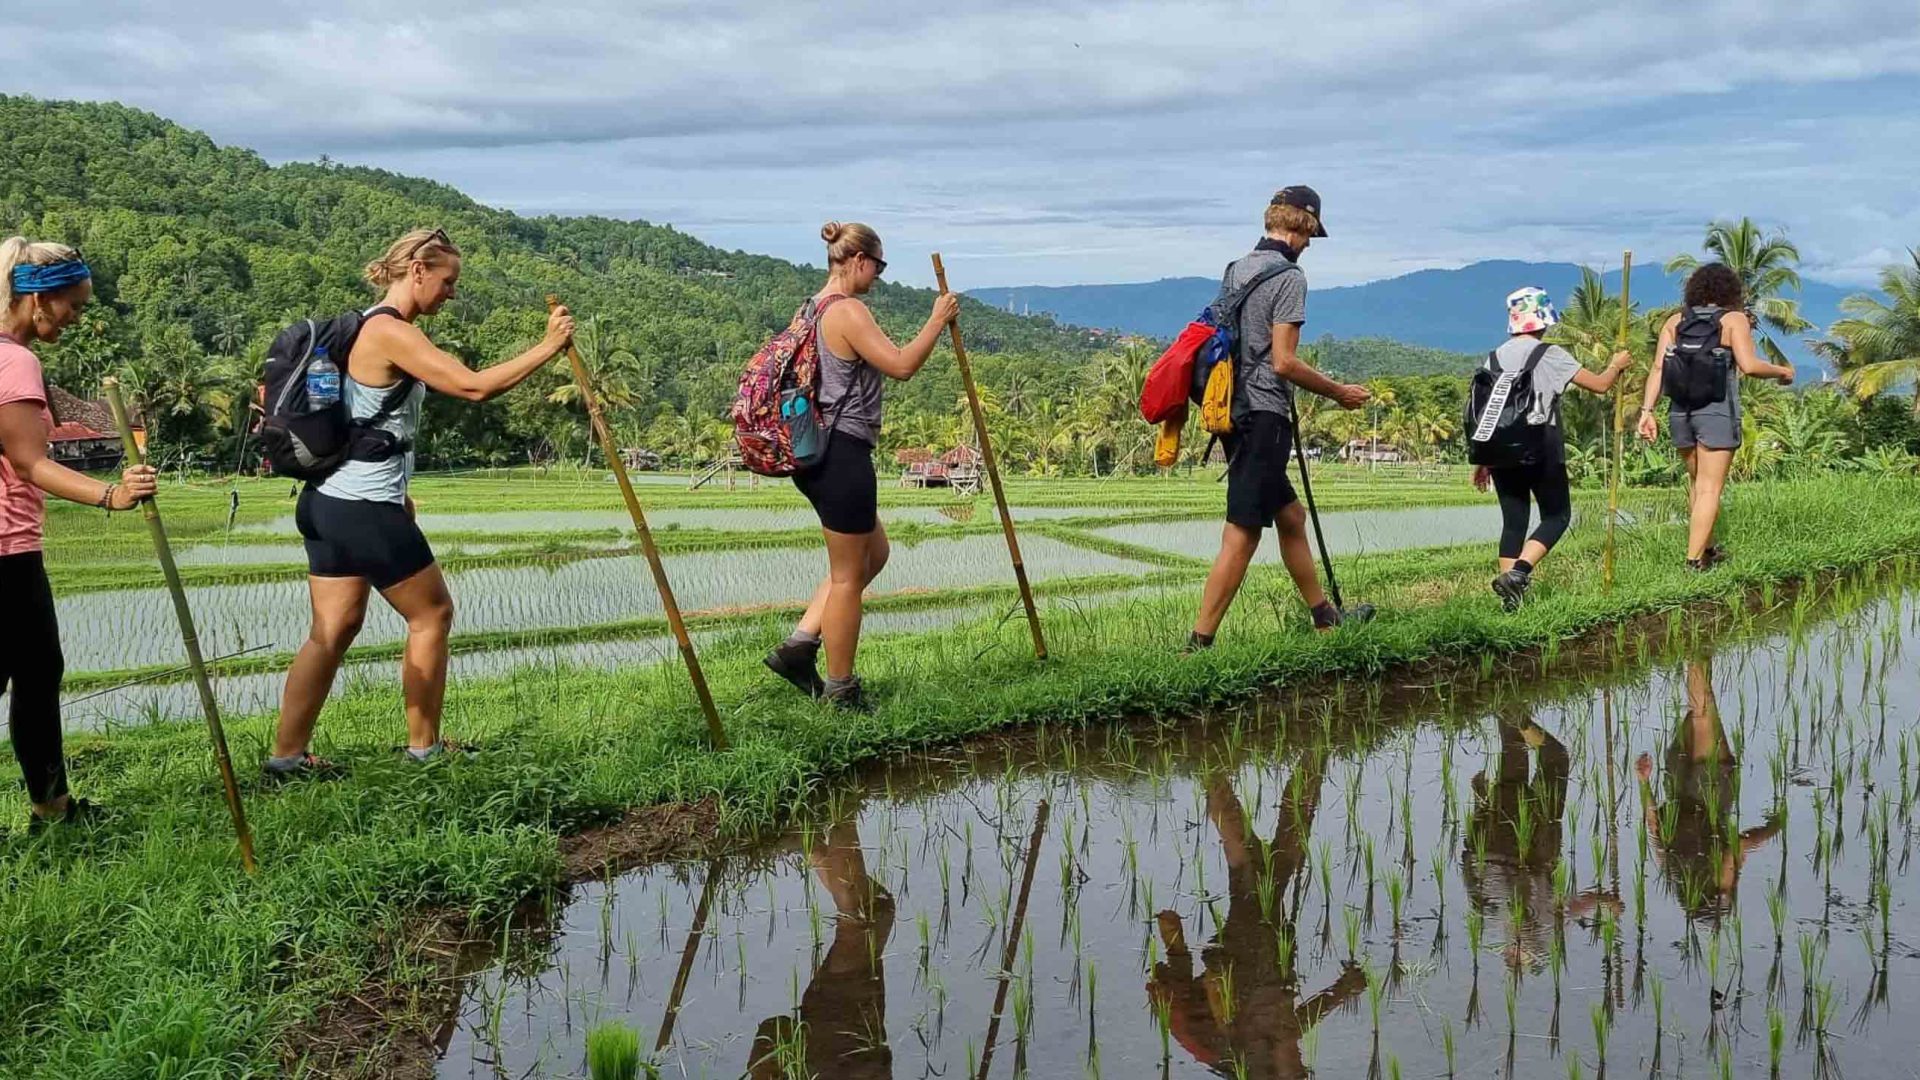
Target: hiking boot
1511	587
1700	565
1714	556
799	665
1328	617
1196	642
848	696
308	766
79	812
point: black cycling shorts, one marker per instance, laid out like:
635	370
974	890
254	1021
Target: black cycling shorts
352	538
1257	484
843	488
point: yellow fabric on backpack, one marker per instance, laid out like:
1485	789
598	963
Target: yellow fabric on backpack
1166	448
1216	405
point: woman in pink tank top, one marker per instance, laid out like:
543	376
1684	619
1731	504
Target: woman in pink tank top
43	287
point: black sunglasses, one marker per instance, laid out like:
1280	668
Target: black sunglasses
879	264
436	234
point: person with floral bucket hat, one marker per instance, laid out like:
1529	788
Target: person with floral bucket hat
1542	482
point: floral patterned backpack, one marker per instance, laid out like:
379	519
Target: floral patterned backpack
776	414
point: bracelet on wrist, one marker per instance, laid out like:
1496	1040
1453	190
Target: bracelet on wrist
106	498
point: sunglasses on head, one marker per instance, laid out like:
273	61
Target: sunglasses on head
436	234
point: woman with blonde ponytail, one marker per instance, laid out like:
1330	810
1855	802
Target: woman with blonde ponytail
856	358
358	523
43	288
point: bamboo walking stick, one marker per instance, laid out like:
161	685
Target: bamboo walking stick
188	635
993	471
600	430
1011	952
687	954
1619	427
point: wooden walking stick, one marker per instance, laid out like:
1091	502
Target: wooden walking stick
687	953
600	430
1011	951
188	635
1619	426
993	471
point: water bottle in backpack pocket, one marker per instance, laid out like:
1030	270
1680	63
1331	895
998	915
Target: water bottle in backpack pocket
306	432
1697	368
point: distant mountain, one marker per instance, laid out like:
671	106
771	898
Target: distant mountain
1455	310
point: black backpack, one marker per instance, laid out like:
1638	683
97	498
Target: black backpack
1694	371
307	443
1499	435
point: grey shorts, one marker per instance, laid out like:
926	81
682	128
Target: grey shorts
1714	427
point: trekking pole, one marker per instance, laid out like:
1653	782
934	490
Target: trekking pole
1306	491
993	471
1619	428
1011	952
188	635
600	430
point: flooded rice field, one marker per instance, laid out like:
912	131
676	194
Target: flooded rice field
1348	532
135	627
1685	859
731	519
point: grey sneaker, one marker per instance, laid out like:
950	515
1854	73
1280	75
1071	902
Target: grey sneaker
1328	617
1511	587
308	766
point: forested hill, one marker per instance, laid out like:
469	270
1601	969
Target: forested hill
202	252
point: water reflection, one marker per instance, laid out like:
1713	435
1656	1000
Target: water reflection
1243	1016
841	1026
1701	848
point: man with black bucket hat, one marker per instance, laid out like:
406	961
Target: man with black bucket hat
1266	370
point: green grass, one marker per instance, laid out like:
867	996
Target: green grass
140	950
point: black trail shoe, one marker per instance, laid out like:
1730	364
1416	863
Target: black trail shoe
799	665
1328	617
1511	587
79	812
1196	642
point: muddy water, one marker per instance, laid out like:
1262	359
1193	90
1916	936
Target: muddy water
1460	875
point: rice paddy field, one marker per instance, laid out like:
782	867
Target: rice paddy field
1661	827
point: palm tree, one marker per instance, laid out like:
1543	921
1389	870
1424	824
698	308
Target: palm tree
1765	265
1878	344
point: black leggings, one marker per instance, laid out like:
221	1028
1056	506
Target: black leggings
31	667
1545	484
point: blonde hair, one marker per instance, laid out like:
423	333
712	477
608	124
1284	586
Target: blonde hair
16	250
844	241
1291	219
430	246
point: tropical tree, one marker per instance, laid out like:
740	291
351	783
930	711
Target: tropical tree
1877	345
1765	264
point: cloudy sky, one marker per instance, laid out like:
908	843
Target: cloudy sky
1051	143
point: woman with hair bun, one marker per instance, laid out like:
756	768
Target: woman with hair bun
358	523
1704	348
856	358
43	288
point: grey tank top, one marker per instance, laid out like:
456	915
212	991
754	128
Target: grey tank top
377	481
850	391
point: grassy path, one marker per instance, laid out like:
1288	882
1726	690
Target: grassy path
139	950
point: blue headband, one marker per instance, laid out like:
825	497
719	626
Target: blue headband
46	277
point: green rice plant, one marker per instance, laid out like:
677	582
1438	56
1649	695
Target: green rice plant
613	1052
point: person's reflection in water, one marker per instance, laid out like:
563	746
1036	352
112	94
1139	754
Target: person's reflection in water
1513	840
841	1030
1244	1016
1699	854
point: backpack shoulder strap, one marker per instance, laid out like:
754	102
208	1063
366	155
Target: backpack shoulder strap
1238	299
1534	357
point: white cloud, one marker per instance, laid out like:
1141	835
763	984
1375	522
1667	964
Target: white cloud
1069	142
